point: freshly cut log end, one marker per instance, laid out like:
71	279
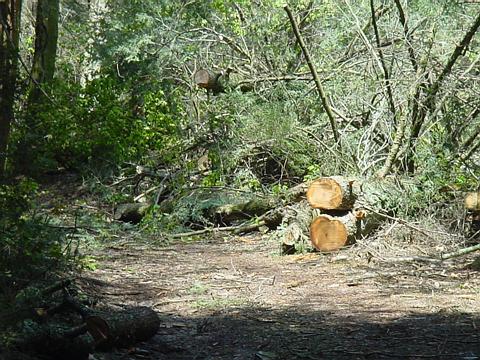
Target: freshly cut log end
327	233
472	201
209	80
332	193
203	78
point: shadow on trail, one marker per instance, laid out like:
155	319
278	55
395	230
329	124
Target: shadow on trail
266	334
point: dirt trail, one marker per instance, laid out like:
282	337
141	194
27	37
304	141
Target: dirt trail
236	298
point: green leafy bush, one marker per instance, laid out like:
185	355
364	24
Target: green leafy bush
29	248
96	125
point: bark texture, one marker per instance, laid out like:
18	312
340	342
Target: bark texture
9	35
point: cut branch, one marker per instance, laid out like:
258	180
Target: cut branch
318	84
459	50
382	62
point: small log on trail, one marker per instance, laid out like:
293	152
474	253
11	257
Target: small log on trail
332	193
123	328
209	80
132	213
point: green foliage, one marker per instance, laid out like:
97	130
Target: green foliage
95	125
30	248
269	142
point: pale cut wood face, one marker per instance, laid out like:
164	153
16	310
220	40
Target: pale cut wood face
327	234
325	194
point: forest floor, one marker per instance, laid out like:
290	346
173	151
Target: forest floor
235	297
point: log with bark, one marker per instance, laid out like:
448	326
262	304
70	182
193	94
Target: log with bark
132	212
332	193
123	328
242	209
209	80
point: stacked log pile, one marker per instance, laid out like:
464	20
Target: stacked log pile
337	212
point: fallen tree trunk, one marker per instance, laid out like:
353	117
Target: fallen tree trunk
123	328
229	213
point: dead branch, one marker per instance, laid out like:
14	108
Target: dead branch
459	50
386	74
318	84
380	11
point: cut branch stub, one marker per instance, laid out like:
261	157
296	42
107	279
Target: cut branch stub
328	233
333	193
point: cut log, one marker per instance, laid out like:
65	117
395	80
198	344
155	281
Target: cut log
209	80
123	328
472	201
332	193
132	213
329	233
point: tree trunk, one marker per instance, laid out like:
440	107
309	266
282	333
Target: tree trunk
46	35
10	11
